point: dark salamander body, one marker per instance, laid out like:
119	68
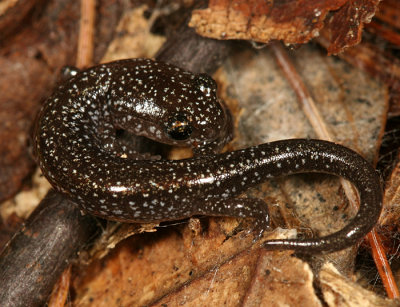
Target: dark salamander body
78	151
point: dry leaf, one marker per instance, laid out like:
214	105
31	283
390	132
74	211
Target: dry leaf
282	280
12	13
293	22
345	26
339	291
181	267
30	63
391	215
389	222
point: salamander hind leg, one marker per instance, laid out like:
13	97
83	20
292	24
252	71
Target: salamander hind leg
253	208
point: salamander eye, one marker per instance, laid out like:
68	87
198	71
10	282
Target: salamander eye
205	84
179	127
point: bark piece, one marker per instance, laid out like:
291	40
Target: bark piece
32	262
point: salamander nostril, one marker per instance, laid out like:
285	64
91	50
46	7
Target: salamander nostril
205	84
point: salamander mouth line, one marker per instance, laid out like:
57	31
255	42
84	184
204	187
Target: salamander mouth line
151	149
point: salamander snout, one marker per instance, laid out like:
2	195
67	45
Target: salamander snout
206	84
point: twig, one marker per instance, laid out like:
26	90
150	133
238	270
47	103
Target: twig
60	291
84	56
383	266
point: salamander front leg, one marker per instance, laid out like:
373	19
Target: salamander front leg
253	208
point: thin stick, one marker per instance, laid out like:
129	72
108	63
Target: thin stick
84	57
383	266
60	292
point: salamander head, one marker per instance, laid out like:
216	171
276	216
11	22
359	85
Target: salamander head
172	106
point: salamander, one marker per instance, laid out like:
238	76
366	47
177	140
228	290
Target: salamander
77	147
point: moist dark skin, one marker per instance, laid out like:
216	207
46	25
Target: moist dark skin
76	147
